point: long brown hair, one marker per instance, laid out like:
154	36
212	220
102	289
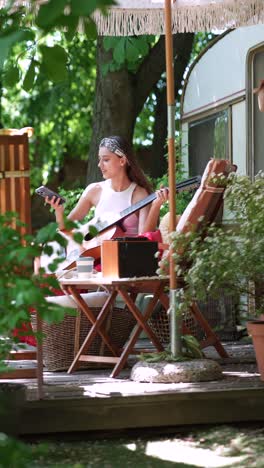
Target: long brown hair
134	171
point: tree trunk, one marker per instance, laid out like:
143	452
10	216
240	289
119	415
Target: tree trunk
120	97
113	108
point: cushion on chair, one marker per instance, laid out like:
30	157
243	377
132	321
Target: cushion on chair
92	299
203	206
207	200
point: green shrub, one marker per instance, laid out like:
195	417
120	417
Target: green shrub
229	258
20	290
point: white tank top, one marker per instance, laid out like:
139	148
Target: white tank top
115	202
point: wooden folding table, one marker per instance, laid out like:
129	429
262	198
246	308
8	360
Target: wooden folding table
128	289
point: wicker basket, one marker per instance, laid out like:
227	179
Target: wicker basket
220	314
159	322
59	340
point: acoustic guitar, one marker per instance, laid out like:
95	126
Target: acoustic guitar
97	230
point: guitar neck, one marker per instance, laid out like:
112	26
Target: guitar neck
189	184
137	206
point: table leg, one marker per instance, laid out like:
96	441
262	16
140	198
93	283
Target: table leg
141	324
95	329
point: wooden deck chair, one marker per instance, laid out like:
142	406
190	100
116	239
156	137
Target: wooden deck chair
202	211
15	196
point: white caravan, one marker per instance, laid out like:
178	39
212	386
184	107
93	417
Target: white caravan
219	113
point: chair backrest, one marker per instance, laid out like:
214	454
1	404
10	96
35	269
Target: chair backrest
208	199
14	175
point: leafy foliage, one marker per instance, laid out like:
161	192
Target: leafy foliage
145	120
127	52
190	350
63	16
21	291
60	113
72	197
182	198
18	454
229	259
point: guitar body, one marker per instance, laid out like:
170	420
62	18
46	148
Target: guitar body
92	248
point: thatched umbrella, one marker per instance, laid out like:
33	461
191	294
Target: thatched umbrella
135	17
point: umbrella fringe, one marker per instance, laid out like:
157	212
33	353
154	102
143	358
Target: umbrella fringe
225	15
196	17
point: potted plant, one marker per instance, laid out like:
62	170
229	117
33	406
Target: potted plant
229	257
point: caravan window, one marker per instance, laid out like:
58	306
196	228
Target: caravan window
208	138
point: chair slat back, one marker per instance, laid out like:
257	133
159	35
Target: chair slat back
14	178
208	199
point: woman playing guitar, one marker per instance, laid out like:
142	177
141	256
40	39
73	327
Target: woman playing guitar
125	184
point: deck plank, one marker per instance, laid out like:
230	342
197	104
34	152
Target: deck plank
89	400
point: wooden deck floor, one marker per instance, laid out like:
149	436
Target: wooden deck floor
91	401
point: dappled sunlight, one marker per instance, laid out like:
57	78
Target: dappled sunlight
127	387
241	374
178	451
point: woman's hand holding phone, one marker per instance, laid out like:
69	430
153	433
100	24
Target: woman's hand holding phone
54	202
51	197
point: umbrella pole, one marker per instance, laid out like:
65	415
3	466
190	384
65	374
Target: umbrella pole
175	318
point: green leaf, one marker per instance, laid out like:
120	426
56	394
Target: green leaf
109	42
55	313
28	34
132	54
71	24
119	51
6	43
83	8
142	45
93	231
46	233
78	237
49	12
86	8
126	52
54	62
29	76
90	29
11	76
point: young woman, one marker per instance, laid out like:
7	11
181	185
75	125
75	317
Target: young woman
125	184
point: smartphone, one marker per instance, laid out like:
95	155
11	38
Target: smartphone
44	192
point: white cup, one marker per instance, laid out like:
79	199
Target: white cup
85	267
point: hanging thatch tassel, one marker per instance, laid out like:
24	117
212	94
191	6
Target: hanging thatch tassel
135	17
220	15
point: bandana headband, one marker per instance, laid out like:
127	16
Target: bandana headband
112	145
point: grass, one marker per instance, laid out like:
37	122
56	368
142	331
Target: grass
215	446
